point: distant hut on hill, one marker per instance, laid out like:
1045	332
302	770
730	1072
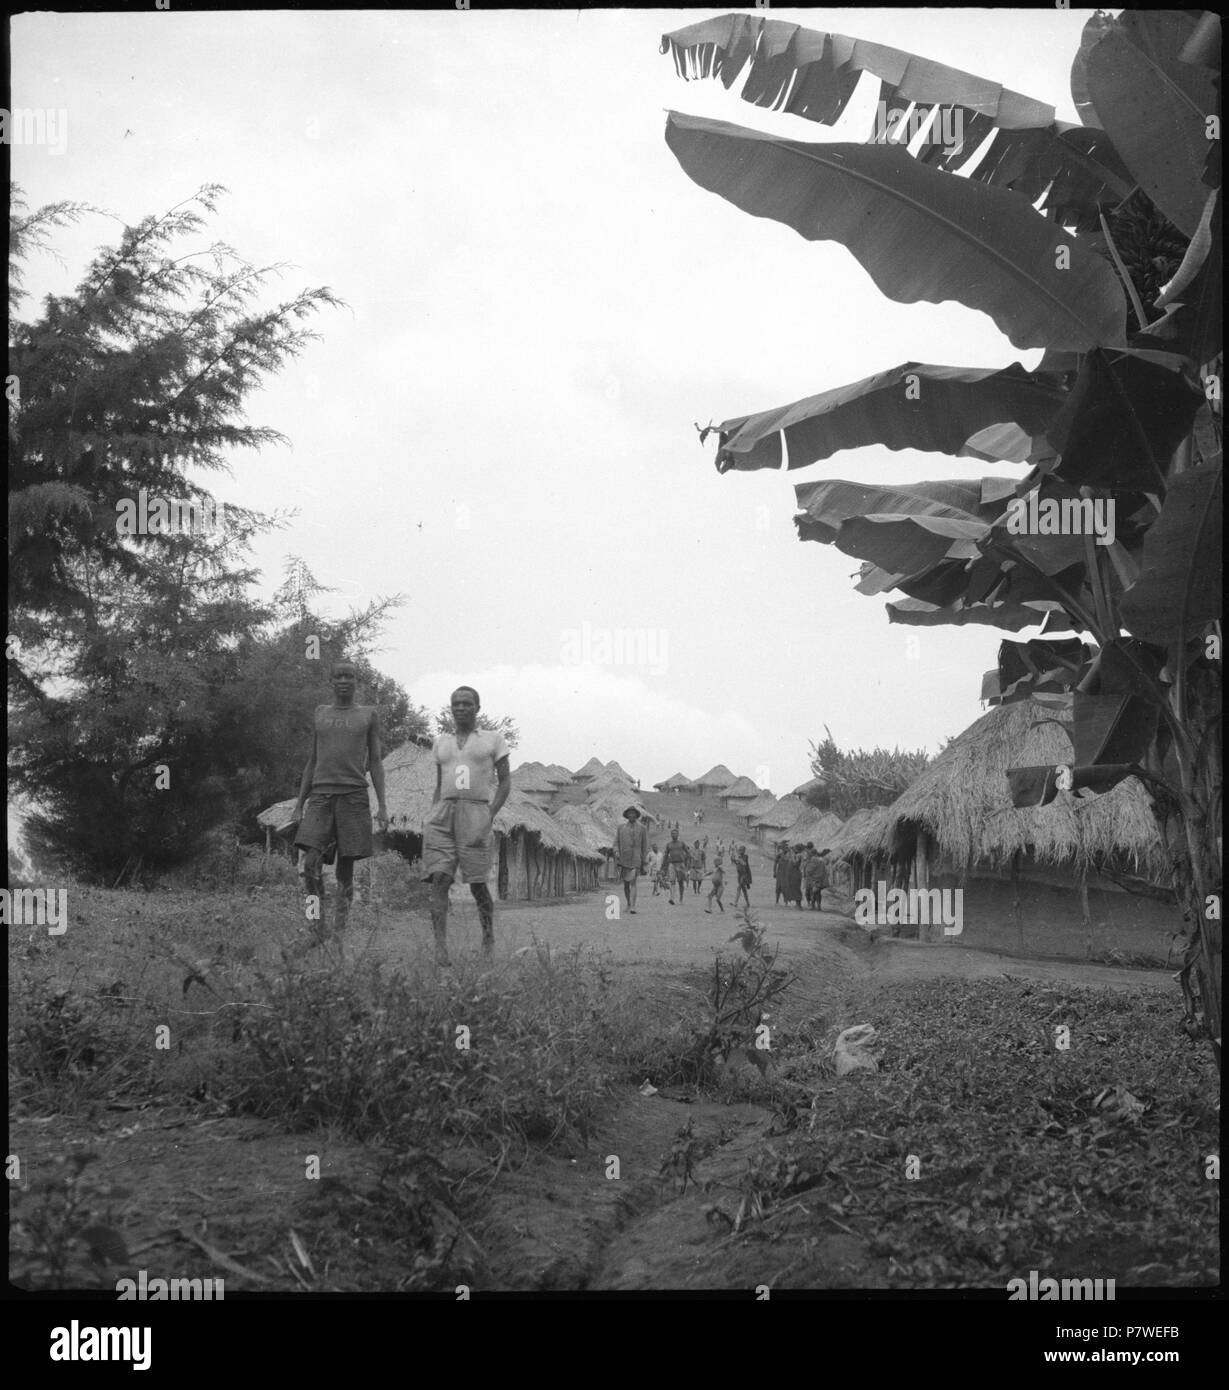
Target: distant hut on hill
607	808
1068	862
536	856
741	792
715	780
676	784
779	816
813	827
749	810
589	771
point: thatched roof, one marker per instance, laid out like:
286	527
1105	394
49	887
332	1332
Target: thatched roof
278	816
613	766
863	833
609	777
817	827
531	778
762	803
678	780
591	768
816	784
409	785
963	799
718	777
519	813
557	773
781	813
742	786
607	809
580	822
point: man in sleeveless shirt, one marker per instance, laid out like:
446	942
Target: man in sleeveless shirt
471	767
333	805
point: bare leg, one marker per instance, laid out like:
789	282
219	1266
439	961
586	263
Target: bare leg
313	883
440	884
345	892
486	915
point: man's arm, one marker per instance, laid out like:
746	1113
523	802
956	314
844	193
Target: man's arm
505	786
439	772
305	782
375	765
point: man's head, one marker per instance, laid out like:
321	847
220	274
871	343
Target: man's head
465	706
674	835
343	677
631	814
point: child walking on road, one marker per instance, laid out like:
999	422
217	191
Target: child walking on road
714	893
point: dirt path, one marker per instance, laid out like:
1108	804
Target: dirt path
234	1190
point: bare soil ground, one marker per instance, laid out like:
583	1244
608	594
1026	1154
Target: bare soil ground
230	1197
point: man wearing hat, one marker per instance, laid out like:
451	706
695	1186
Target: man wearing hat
631	849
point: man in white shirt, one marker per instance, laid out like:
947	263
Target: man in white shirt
471	767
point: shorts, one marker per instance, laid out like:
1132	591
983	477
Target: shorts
629	875
457	842
344	817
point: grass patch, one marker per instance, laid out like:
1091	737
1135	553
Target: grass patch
1084	1162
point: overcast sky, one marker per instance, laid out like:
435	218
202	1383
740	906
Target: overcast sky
541	303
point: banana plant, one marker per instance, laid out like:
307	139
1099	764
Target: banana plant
1099	242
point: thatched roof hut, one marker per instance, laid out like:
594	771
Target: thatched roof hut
741	792
590	769
614	767
716	779
677	784
781	813
607	808
609	778
580	822
963	803
750	809
531	781
1059	868
818	828
558	774
815	792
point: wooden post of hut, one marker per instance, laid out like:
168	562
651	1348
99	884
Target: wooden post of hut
1085	909
1016	904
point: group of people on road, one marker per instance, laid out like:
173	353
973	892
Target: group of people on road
799	869
472	781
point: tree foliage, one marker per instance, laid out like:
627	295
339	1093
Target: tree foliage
861	777
151	697
1100	243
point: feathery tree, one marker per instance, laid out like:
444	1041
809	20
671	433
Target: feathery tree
150	697
858	777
